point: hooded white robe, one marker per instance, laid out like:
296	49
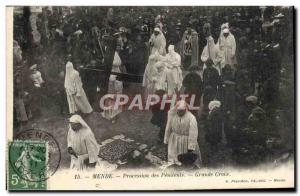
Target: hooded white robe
173	71
114	87
181	135
76	96
227	47
158	43
160	76
211	51
149	74
83	143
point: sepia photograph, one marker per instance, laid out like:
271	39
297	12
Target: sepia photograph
150	97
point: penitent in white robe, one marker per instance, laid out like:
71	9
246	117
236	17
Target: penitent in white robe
211	51
76	96
227	49
114	87
84	144
160	77
158	44
181	135
148	77
173	73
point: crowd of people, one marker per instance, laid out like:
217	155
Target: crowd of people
232	59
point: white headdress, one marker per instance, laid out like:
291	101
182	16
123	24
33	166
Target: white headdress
214	104
78	119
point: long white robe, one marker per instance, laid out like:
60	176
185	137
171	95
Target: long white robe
149	74
116	65
227	48
160	77
173	72
181	135
114	87
211	51
158	44
83	143
76	96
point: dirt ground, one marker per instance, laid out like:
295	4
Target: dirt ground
135	125
132	124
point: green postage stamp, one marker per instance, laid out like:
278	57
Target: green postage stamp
27	165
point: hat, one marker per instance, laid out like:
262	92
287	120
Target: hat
226	30
181	105
157	29
135	158
225	25
78	32
179	23
117	33
123	30
32	67
187	158
228	82
78	119
214	104
252	99
280	15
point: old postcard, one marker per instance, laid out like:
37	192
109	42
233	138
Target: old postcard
150	98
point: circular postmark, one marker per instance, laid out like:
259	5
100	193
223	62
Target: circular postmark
34	155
